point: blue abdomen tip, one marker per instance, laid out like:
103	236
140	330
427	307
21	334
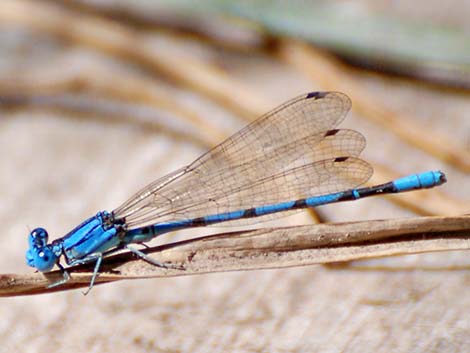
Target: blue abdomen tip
442	177
420	181
432	178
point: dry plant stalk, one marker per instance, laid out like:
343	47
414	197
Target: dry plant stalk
266	248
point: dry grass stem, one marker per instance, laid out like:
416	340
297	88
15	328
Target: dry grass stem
266	248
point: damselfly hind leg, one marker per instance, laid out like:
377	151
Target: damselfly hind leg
152	261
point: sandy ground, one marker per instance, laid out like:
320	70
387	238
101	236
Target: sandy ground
57	170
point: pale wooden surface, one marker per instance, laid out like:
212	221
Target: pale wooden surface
57	170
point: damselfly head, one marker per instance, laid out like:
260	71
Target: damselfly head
40	255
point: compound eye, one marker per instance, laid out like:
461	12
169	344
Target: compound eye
38	238
39	233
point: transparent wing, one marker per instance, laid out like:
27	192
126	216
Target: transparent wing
318	178
278	146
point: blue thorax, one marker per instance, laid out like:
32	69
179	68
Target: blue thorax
95	235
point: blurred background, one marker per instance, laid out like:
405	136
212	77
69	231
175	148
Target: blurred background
100	97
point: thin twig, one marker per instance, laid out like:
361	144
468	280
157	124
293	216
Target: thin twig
266	248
